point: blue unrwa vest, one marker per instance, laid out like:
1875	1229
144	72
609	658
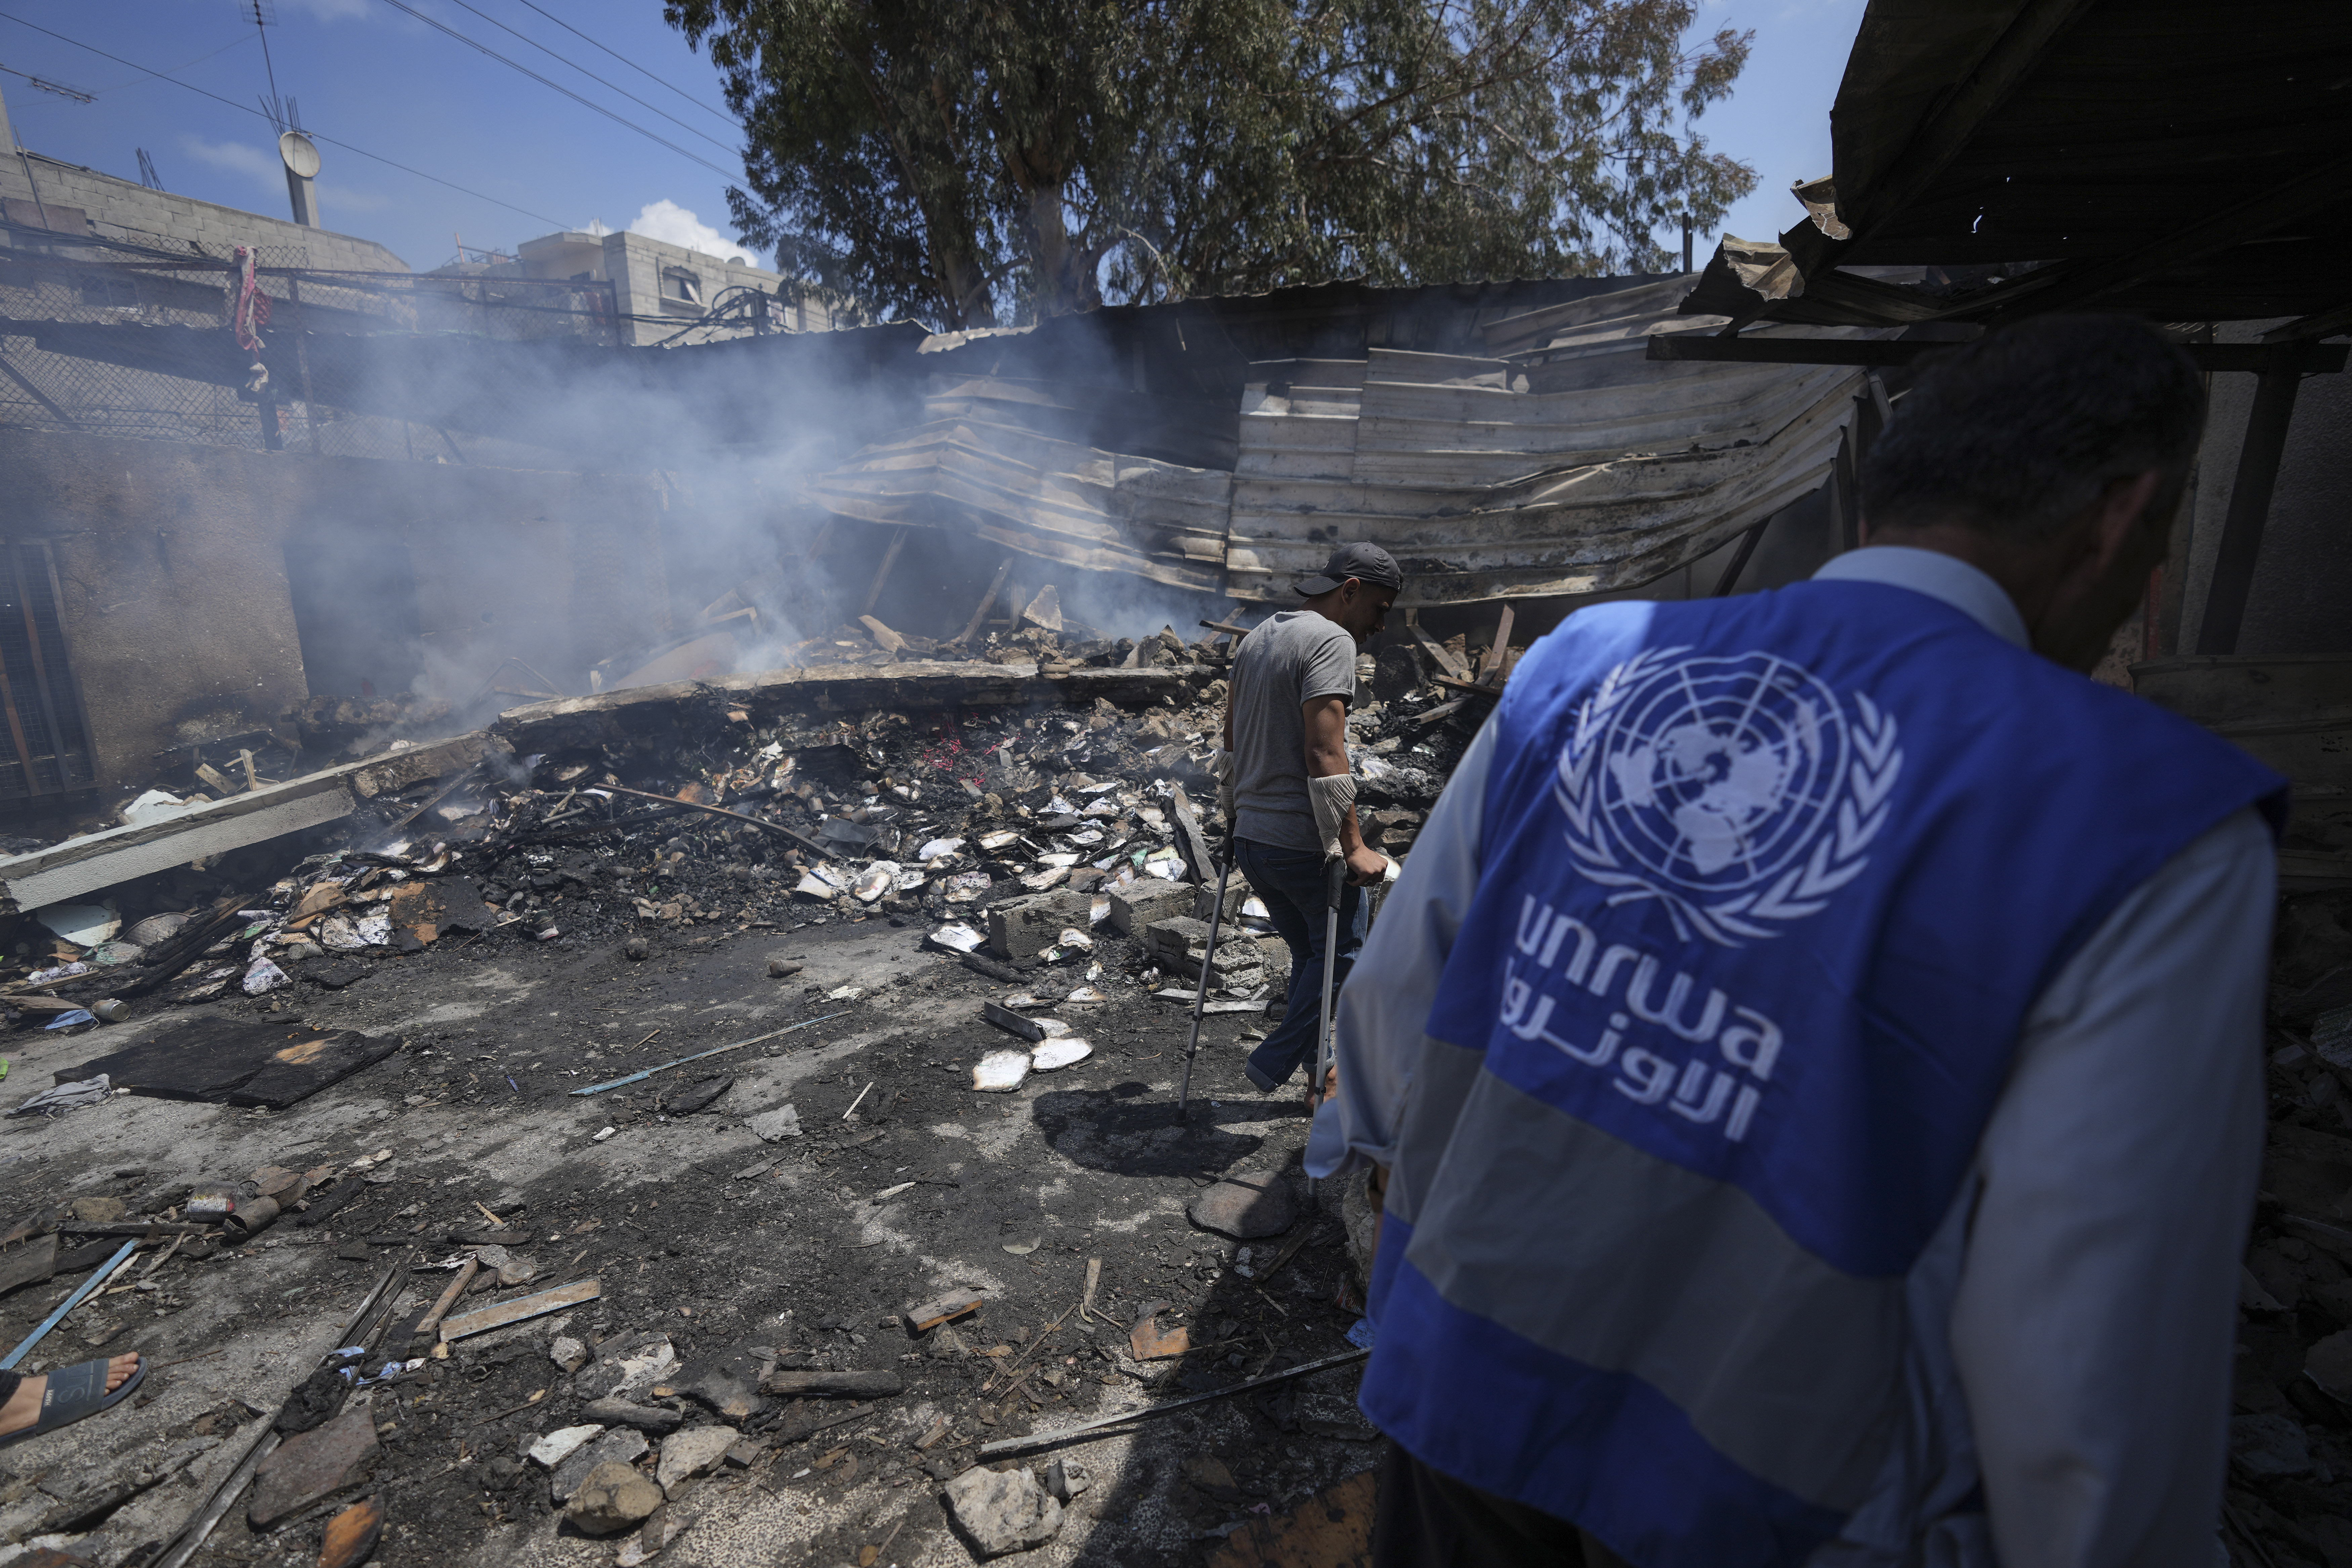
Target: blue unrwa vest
1767	887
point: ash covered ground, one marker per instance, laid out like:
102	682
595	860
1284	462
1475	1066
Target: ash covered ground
490	938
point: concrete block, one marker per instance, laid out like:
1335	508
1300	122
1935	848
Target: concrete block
1176	945
1023	928
1137	905
1204	898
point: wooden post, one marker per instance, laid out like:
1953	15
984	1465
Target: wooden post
2249	500
972	626
882	572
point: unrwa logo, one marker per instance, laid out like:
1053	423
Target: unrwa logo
1737	789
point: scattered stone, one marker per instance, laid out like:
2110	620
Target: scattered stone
560	1445
697	1452
775	1126
313	1465
517	1272
1248	1205
335	976
636	947
1065	1479
621	1446
643	1418
97	1211
1023	928
746	1454
567	1353
1003	1511
613	1498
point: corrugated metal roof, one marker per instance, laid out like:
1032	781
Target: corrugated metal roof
1569	463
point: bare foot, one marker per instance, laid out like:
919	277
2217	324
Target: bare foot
23	1408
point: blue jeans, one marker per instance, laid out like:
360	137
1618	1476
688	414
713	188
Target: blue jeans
1290	884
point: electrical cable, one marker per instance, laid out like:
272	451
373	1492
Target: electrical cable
592	76
401	6
330	141
634	65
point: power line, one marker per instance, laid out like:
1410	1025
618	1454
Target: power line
592	76
403	6
634	66
330	141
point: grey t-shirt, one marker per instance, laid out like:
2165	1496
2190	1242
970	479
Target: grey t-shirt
1281	665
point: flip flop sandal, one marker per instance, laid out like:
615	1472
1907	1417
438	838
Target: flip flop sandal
74	1391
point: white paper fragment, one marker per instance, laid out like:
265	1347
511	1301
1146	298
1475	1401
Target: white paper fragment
1059	1053
265	976
1086	994
1073	937
1000	1072
957	937
936	848
1099	910
875	880
1058	860
998	839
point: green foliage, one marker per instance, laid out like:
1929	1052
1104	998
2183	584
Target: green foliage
972	162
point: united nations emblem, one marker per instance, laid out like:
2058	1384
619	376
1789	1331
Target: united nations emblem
1738	790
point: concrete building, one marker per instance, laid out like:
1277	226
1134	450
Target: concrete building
69	200
659	288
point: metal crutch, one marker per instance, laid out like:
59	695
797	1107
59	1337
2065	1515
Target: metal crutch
1335	882
1201	996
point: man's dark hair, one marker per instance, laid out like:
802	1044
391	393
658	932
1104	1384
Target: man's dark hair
2015	432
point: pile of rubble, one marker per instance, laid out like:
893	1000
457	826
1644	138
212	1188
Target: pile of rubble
1066	837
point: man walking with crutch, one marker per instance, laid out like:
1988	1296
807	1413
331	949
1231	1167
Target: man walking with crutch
1287	792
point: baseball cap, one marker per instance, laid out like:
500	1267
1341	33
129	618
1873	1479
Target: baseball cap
1365	562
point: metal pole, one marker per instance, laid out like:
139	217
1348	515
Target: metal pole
1335	885
1201	996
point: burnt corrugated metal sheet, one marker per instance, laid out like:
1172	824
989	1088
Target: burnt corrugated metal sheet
985	462
1566	463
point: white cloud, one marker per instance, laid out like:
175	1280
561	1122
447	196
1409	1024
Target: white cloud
343	196
236	157
673	225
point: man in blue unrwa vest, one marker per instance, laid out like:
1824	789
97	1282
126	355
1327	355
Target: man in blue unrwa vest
1813	1052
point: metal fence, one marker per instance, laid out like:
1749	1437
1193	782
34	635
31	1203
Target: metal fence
110	339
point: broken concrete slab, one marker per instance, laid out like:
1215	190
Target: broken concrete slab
613	1498
561	1444
313	1465
622	1445
95	860
1137	906
1023	928
697	1451
1246	1206
237	1061
1003	1511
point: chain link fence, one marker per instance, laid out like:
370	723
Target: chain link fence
118	340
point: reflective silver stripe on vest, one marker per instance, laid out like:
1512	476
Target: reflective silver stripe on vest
1590	1248
1442	1077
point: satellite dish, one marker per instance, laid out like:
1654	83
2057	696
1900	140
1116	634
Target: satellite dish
302	155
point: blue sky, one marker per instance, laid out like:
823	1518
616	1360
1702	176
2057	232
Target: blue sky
365	74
